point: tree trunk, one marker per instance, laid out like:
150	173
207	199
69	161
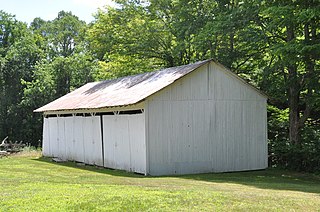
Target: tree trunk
294	115
293	95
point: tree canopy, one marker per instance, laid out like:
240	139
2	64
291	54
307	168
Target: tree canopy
274	45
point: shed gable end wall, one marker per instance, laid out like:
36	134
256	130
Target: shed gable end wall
226	86
193	86
209	82
206	121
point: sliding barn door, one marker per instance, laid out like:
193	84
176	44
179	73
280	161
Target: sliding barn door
124	142
75	138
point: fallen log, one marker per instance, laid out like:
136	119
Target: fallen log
3	153
3	143
12	147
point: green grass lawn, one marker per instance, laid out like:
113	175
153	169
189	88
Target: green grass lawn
32	183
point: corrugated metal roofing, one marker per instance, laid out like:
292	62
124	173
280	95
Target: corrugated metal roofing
119	92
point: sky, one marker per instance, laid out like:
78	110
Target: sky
27	10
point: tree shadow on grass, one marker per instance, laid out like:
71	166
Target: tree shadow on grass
271	178
274	179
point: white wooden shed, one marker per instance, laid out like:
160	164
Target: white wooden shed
194	118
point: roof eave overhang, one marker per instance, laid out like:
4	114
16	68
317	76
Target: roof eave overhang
136	105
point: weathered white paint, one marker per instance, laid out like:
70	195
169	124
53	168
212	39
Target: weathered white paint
61	141
73	138
45	138
124	142
208	121
69	136
137	142
92	141
78	138
53	137
116	142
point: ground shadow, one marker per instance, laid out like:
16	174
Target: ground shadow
274	179
92	168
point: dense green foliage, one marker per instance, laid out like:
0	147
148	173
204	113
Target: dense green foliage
38	64
37	184
274	45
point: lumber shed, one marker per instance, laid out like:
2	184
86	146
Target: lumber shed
193	118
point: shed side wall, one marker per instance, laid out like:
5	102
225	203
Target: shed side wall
208	121
79	138
73	138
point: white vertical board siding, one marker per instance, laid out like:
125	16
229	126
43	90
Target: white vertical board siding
73	138
208	121
45	138
116	142
186	88
178	138
124	142
53	137
61	139
78	139
137	143
69	136
92	141
224	86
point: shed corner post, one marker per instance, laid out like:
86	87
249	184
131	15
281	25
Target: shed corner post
146	114
266	133
102	142
44	133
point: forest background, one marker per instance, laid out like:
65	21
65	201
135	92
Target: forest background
272	44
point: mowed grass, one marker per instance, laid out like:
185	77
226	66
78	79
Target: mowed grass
32	183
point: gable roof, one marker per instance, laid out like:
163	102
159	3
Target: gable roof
119	92
126	91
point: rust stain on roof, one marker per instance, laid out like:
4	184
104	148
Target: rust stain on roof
119	92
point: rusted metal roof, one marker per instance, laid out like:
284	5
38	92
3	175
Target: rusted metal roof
119	92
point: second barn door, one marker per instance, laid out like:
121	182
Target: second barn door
124	142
